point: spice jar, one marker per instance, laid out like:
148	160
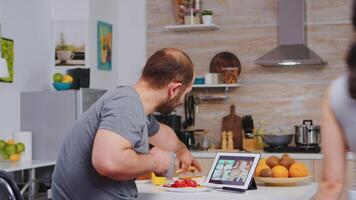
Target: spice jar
229	75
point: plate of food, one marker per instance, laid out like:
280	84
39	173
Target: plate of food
185	185
281	171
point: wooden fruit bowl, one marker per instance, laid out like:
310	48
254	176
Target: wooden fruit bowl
282	181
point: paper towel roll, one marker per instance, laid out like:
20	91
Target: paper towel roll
26	138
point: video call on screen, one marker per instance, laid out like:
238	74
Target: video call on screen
231	170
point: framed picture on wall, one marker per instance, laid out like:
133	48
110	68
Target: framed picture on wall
70	37
8	54
104	42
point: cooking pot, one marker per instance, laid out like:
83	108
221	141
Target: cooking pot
276	137
307	134
277	140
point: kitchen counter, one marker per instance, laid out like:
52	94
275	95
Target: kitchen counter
299	192
297	156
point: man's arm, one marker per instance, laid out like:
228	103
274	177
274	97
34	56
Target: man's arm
167	139
114	157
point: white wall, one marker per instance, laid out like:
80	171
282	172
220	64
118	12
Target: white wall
29	26
129	41
69	9
106	11
132	40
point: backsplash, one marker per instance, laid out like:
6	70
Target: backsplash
280	96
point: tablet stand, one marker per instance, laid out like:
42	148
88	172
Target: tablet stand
252	186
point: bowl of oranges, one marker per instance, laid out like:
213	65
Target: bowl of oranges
281	171
10	150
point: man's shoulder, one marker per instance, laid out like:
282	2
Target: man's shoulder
122	95
124	100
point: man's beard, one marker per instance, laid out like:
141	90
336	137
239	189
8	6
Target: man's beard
169	105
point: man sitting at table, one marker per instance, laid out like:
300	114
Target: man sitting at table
108	147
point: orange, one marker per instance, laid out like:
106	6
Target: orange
260	167
67	79
10	141
280	171
14	157
298	170
262	161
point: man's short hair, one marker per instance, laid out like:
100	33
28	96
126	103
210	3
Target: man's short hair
168	65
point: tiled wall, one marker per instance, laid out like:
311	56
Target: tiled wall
281	96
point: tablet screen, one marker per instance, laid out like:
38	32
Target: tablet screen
232	170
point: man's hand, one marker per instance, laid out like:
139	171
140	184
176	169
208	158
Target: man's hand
186	159
167	139
163	159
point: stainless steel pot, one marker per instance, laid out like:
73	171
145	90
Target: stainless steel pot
307	134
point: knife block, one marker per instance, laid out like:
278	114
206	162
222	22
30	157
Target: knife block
249	144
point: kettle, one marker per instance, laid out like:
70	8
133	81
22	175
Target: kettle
307	134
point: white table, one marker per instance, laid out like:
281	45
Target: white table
300	192
27	165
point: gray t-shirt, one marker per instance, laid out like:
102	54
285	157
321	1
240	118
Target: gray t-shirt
120	111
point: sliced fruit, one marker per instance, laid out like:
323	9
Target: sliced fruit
191	183
179	183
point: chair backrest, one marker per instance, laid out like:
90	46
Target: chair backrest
8	188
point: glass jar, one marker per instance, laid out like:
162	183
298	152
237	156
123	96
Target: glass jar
191	17
229	75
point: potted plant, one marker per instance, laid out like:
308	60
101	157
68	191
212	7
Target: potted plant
207	16
64	51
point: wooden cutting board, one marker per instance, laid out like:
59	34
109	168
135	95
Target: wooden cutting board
232	122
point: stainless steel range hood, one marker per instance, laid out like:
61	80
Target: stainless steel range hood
291	49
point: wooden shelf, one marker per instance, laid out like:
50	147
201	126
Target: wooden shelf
193	27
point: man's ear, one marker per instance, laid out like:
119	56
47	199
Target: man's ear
174	88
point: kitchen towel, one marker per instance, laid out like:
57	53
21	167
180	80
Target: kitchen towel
26	138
